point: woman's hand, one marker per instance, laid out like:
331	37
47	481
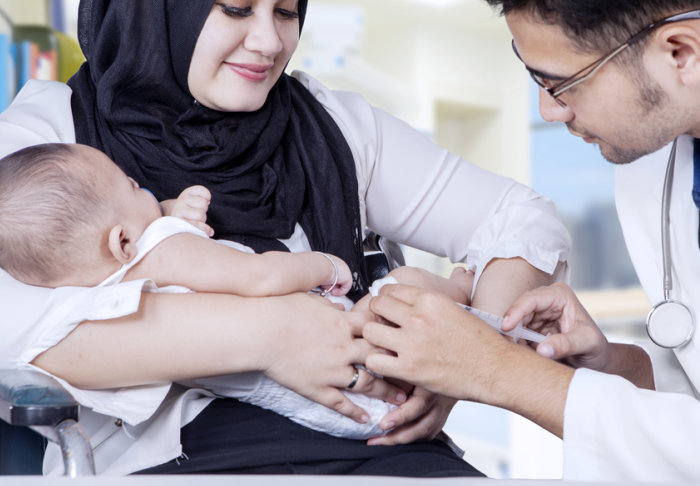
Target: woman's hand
422	417
314	351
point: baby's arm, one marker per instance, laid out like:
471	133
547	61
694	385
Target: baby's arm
458	287
204	265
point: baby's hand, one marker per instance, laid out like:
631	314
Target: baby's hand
344	283
191	205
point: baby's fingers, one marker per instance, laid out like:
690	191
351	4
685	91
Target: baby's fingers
202	226
197	192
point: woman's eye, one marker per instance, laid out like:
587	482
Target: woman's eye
288	14
232	11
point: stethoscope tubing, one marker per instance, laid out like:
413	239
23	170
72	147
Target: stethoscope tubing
655	333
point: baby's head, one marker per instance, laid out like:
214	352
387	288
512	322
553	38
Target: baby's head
68	215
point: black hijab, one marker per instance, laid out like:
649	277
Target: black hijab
267	170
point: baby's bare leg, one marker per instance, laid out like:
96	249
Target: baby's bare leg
464	279
458	287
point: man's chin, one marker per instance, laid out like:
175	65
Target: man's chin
617	157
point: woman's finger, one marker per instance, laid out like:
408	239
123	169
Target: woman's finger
376	387
336	400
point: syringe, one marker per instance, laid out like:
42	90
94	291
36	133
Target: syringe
494	321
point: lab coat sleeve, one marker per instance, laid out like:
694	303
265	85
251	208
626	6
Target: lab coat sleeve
615	431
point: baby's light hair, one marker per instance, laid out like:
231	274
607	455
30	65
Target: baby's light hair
47	203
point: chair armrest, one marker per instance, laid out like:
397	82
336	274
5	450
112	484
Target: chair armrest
391	250
30	398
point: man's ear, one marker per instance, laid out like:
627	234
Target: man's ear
682	43
122	248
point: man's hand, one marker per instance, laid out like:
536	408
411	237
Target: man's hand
422	417
434	343
574	337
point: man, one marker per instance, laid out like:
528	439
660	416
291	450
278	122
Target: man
624	75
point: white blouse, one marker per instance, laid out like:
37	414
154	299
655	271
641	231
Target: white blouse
410	190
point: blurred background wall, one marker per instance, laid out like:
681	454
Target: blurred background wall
447	68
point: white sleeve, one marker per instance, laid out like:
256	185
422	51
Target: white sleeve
615	431
417	193
40	113
429	198
35	319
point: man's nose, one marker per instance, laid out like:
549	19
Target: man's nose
552	111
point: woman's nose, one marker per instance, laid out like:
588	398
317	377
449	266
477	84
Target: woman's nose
551	111
263	36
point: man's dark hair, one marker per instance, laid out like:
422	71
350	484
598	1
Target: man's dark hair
597	26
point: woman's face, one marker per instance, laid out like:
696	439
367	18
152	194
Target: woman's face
241	52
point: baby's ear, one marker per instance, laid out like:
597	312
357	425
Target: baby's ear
120	245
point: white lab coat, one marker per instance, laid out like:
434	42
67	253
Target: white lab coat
612	430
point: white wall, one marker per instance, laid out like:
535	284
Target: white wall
447	71
26	11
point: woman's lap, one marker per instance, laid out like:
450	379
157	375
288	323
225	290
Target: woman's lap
237	438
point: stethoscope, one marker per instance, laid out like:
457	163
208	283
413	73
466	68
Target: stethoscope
670	323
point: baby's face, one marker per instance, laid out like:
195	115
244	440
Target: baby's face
136	208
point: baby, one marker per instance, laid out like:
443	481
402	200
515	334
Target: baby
69	216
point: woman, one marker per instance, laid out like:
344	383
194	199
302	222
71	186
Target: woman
182	93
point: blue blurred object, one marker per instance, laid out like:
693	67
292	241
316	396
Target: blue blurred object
21	451
7	71
7	66
58	18
29	401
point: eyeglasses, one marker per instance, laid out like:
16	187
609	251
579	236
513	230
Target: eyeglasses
556	90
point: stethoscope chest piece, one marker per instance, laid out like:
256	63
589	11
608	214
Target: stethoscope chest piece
670	324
